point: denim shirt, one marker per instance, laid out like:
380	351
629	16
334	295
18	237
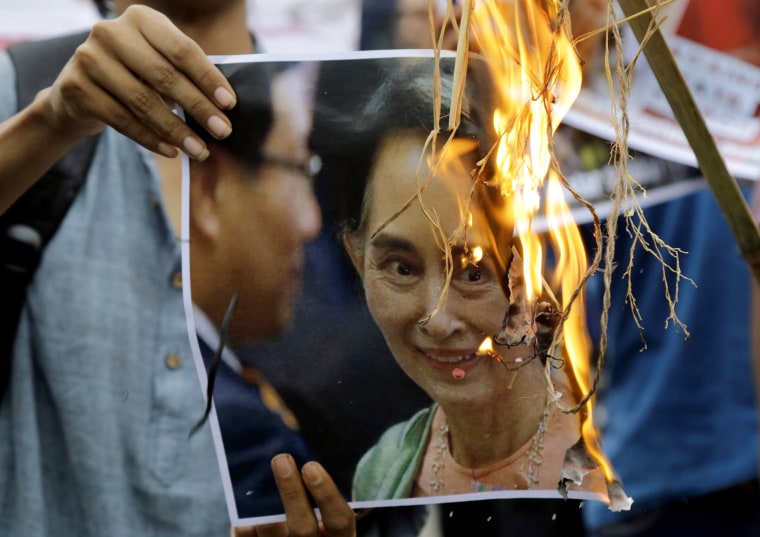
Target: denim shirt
682	420
103	390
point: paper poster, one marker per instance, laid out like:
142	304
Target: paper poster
337	344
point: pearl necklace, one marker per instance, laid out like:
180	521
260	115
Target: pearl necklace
535	456
441	446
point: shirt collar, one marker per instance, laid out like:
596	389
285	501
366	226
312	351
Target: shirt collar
206	331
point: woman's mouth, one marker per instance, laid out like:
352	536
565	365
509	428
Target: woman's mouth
449	359
456	364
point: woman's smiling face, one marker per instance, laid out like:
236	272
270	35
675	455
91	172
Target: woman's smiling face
403	268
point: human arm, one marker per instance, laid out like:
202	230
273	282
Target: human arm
295	489
123	75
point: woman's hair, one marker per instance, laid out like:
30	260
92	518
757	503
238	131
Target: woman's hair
384	96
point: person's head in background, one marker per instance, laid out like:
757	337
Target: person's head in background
110	7
252	206
391	24
220	25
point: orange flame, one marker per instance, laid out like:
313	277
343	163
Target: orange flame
477	254
486	347
537	78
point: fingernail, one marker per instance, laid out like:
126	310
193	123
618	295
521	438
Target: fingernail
167	150
282	466
218	127
224	98
195	149
311	473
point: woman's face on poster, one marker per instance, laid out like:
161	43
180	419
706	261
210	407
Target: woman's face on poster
403	267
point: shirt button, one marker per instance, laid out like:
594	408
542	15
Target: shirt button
173	360
177	280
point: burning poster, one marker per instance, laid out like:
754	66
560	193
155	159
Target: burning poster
367	288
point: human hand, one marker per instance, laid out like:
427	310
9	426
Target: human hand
128	73
295	488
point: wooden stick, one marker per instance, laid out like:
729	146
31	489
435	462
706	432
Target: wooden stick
460	65
724	186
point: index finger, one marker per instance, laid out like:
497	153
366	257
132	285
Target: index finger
301	519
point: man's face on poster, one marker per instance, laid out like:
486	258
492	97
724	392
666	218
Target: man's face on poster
265	216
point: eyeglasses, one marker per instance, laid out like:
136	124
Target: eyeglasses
309	169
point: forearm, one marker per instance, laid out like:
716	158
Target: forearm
123	75
29	146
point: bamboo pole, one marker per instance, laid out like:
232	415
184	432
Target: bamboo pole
723	185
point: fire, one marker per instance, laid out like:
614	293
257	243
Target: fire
487	348
537	77
476	254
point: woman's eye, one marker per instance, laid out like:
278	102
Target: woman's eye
400	268
472	274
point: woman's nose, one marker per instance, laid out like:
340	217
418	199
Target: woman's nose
440	319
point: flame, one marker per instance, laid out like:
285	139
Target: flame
572	264
537	77
476	255
486	347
